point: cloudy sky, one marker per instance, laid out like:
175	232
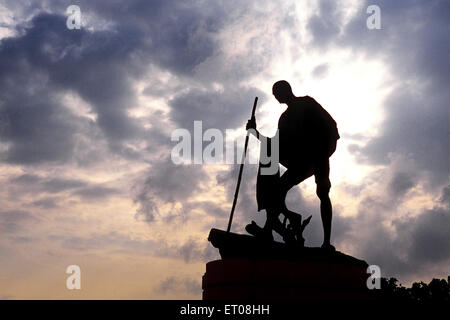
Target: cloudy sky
86	118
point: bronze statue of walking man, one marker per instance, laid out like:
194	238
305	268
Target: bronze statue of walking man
307	138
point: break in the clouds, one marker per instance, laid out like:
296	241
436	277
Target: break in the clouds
86	118
413	43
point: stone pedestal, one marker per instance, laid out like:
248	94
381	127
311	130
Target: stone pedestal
256	271
248	279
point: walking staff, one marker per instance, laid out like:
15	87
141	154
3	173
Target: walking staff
241	169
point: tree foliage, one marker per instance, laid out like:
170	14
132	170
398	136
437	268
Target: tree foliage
438	290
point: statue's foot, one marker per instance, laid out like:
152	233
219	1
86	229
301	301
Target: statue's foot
328	247
258	232
252	228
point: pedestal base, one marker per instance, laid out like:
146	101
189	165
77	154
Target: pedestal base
261	279
255	269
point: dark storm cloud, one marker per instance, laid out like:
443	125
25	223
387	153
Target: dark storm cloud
430	235
46	59
35	67
52	185
167	183
445	199
177	36
99	65
417	127
34	184
429	232
35	129
174	35
96	192
222	110
401	183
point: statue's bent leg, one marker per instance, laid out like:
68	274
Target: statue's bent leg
289	179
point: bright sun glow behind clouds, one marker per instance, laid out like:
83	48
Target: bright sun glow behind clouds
352	91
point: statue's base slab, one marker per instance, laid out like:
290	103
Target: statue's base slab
233	245
255	270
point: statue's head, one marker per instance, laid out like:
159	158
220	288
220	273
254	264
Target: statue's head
282	91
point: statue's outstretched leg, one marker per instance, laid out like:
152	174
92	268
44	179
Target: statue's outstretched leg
323	183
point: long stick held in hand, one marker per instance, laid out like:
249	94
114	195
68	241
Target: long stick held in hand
241	169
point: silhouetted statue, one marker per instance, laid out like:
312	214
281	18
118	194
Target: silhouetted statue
307	138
